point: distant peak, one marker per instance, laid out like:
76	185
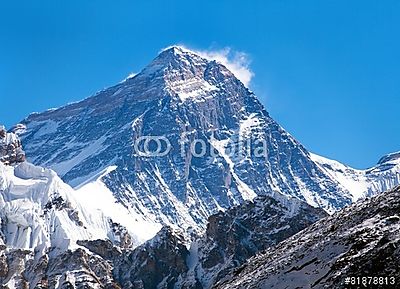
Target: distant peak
390	157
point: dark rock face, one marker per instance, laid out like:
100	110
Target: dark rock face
239	233
71	269
12	265
156	264
82	270
10	148
258	224
3	262
231	238
361	240
104	248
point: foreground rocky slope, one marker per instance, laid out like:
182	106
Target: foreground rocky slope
239	233
361	240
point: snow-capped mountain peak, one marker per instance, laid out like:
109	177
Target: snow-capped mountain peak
223	146
184	73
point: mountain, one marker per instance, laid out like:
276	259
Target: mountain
41	222
231	238
51	238
172	178
241	232
363	183
221	147
361	240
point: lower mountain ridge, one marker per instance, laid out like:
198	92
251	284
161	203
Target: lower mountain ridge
361	241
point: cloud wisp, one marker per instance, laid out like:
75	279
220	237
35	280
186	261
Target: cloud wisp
237	62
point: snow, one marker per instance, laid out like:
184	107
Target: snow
360	183
191	88
246	192
94	176
47	127
181	208
38	211
23	203
248	124
193	257
91	149
96	196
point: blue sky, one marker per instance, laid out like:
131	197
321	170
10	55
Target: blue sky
327	71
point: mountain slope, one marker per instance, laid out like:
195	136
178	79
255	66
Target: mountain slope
42	222
241	232
231	237
361	240
192	103
363	183
50	239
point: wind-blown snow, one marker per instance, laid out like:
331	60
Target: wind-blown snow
236	61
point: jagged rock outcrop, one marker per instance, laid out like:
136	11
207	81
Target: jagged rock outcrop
362	240
11	152
239	233
156	264
231	238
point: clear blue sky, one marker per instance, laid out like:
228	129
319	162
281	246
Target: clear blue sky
328	71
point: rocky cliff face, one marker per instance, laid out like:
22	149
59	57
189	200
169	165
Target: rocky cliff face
158	263
11	152
237	234
361	240
231	238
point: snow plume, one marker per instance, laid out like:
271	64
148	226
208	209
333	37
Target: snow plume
237	62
